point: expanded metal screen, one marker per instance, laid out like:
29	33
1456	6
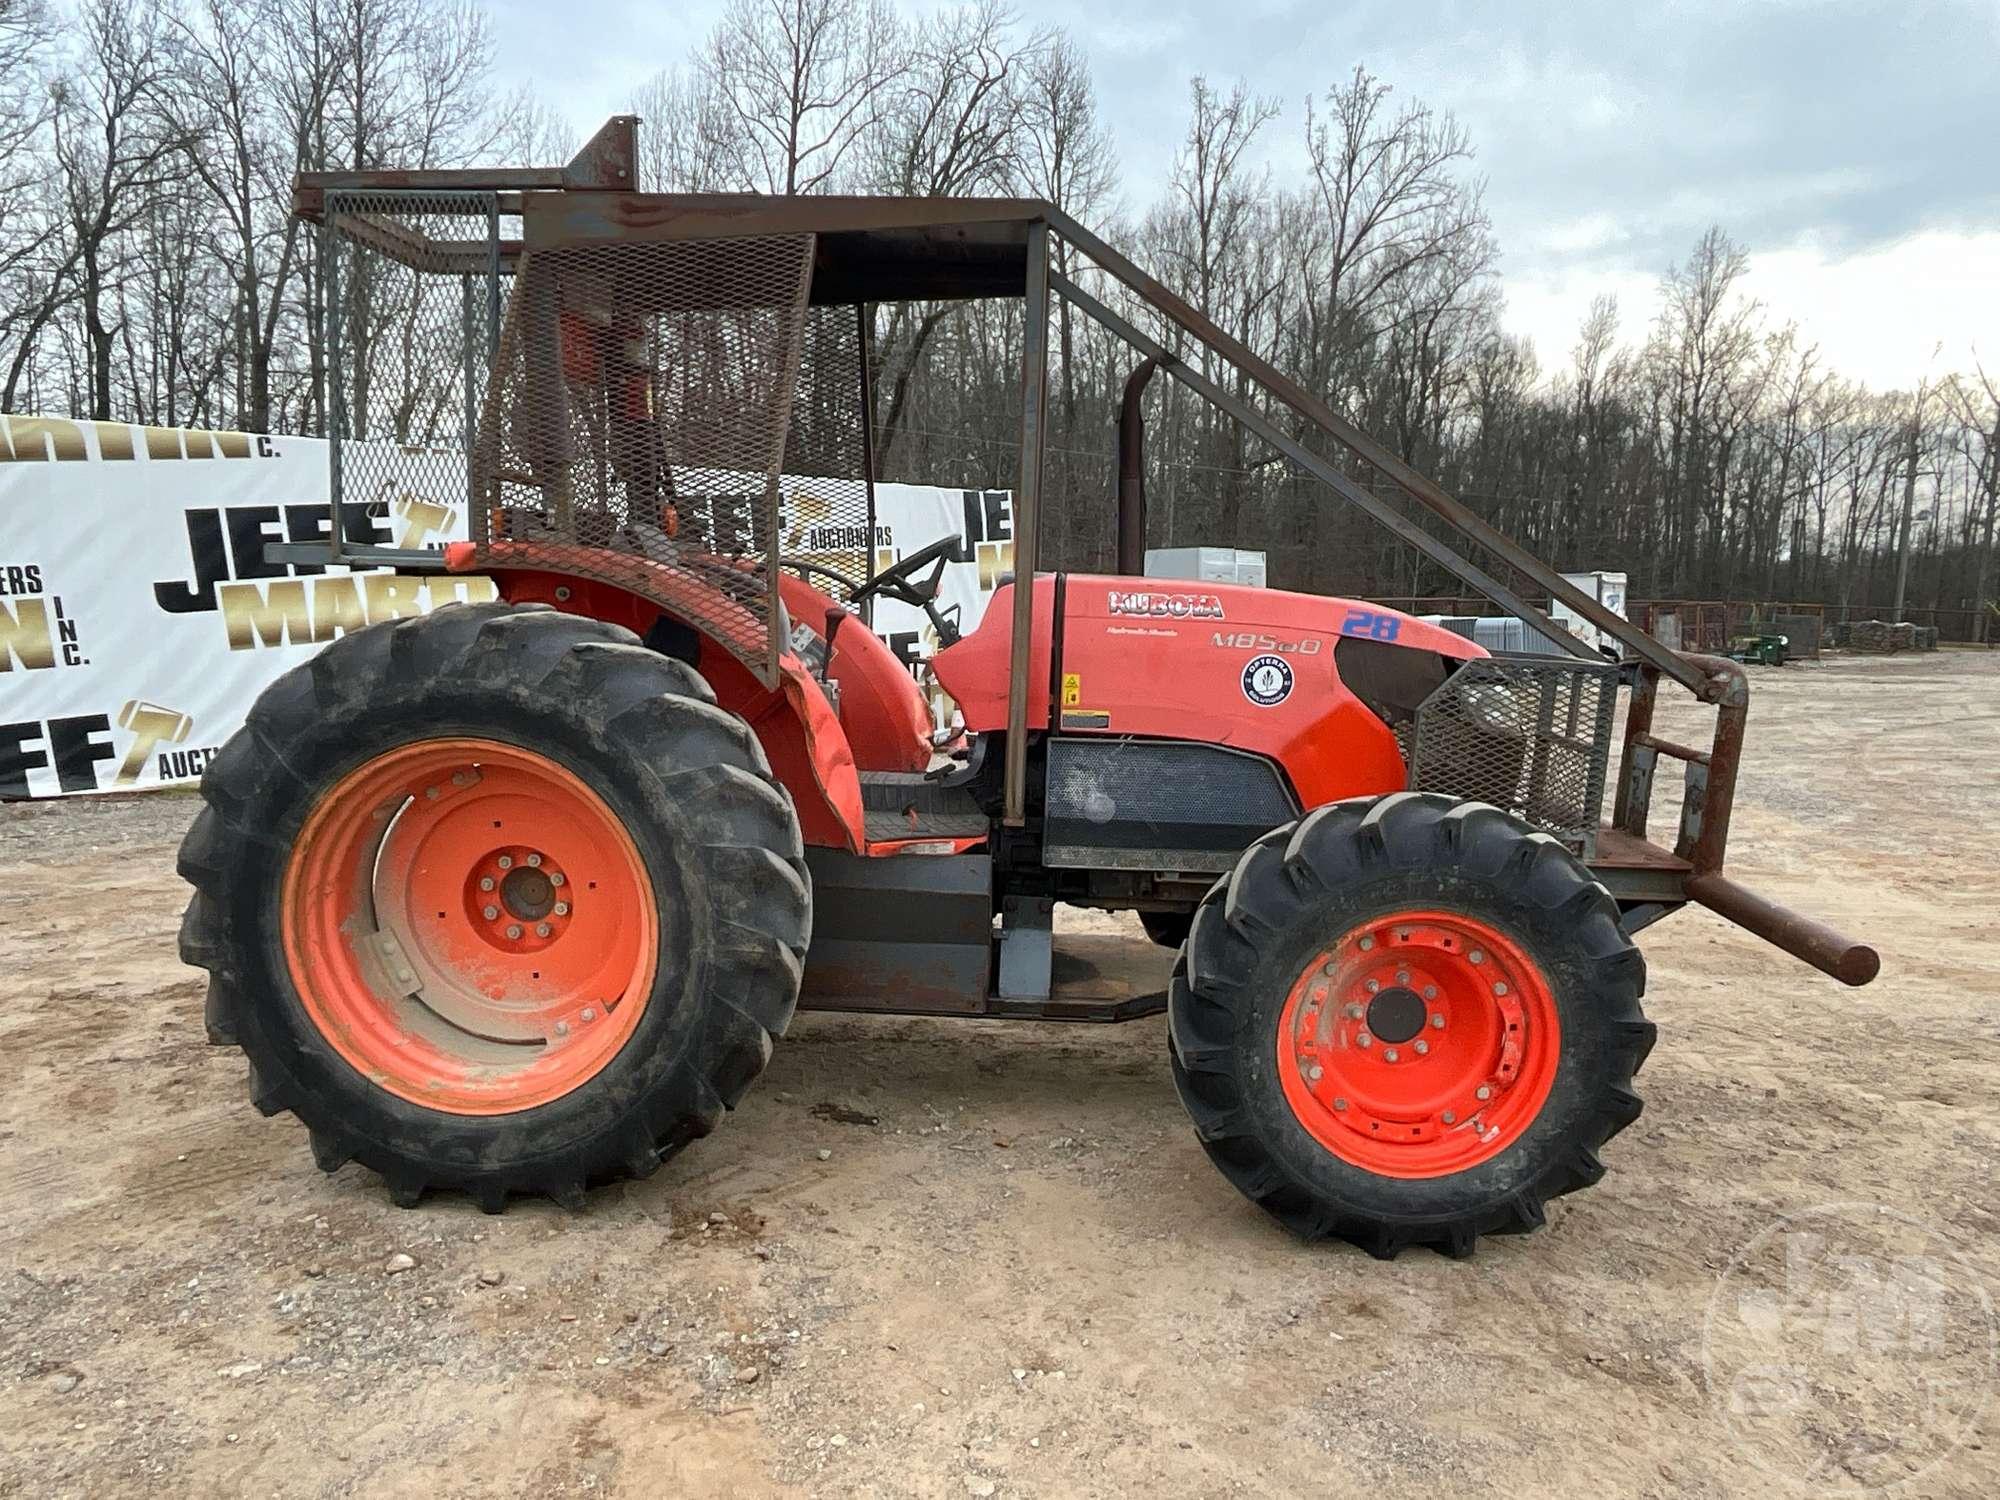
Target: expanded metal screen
830	533
411	302
637	423
1530	736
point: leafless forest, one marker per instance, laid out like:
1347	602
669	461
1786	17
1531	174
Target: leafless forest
149	272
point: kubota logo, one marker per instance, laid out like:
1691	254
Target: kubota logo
1166	606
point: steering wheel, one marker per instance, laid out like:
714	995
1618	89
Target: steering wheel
900	581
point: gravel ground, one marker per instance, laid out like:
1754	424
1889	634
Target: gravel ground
945	1259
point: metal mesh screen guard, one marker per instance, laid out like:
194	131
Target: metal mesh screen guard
1532	737
411	287
635	428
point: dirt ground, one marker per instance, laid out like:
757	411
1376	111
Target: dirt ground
1015	1273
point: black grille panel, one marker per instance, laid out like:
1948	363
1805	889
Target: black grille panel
1162	805
1531	736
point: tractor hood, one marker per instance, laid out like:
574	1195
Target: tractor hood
1254	669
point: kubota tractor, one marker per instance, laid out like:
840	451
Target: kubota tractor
515	898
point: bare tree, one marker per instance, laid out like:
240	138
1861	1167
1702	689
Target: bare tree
1977	402
115	153
805	80
693	141
32	286
950	124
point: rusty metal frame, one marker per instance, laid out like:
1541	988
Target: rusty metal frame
1322	470
1707	804
864	320
1027	519
1417	485
883	249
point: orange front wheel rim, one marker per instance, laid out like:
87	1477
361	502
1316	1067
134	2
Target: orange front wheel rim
1419	1044
470	926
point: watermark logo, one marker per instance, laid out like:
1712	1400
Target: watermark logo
1851	1349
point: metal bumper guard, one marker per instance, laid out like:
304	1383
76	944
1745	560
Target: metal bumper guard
1706	806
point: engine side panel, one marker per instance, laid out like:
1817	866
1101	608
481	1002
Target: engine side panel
1252	669
1156	805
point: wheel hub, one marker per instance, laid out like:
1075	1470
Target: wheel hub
528	894
518	899
1396	1014
1419	1044
456	970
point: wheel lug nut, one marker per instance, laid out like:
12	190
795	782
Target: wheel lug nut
562	1028
431	793
589	1013
1402	976
1390	1055
1449	1117
1329	968
1367	943
513	929
534	861
562	908
541	929
1340	1104
1499	989
1430	992
506	861
491	913
486	882
1374	985
1437	1020
1353	1012
1482	1092
1363	1039
1477	955
555	877
1423	1049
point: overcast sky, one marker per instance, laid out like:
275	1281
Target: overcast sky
1853	148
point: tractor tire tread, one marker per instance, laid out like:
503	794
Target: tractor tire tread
741	822
1275	884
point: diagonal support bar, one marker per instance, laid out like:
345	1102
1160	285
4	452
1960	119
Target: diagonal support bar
1362	446
1320	469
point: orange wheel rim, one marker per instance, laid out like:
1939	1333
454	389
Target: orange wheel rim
469	926
1420	1044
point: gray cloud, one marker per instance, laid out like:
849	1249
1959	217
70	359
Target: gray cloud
1611	134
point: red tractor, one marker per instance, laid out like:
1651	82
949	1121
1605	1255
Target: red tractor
515	898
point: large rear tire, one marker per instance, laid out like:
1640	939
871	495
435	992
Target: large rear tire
1408	1021
496	899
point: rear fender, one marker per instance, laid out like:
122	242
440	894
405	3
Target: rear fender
802	738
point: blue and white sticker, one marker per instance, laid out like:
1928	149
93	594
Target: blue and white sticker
1267	681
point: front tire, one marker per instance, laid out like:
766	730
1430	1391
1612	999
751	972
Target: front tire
1408	1021
496	899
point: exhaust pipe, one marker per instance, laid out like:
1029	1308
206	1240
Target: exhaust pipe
1132	472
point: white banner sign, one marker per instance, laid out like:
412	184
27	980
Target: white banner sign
139	619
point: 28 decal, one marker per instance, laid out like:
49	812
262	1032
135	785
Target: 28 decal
1267	680
1376	626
